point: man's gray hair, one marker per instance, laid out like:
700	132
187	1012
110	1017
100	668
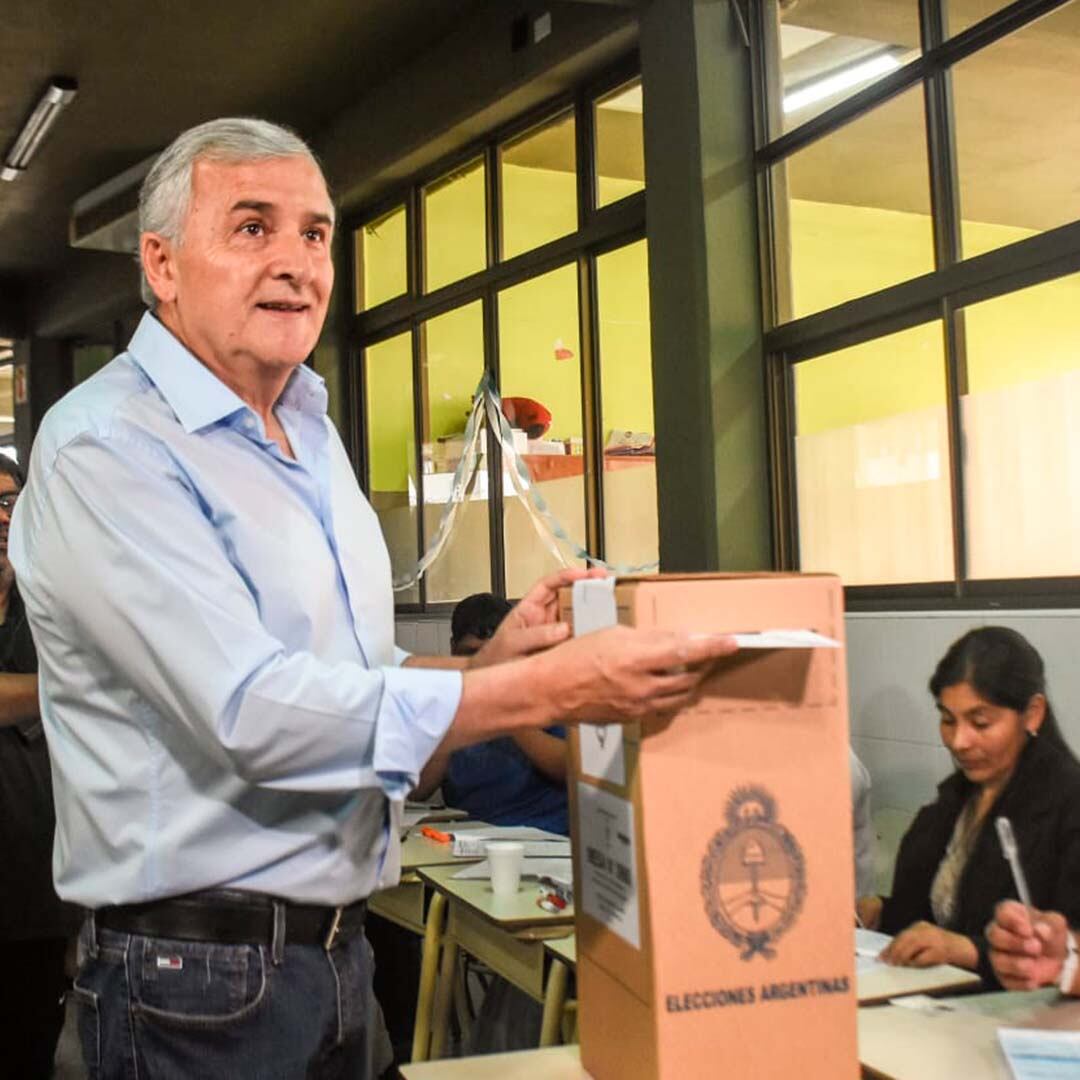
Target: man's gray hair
166	191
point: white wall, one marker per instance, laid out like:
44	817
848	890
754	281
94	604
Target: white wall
428	637
890	659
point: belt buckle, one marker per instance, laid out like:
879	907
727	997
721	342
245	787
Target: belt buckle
335	927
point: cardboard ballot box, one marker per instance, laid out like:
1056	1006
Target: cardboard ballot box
713	867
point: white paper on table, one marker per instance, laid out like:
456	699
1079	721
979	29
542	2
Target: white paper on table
785	639
602	753
474	841
561	870
1034	1054
556	849
868	944
411	816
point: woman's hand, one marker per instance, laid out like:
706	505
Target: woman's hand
868	911
1026	955
923	945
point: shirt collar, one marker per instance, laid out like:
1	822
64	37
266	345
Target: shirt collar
194	393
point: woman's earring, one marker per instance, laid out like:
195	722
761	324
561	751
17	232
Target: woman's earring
1033	733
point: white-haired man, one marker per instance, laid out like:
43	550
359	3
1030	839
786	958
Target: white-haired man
232	729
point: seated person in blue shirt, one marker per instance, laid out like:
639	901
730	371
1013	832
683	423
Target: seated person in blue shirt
518	779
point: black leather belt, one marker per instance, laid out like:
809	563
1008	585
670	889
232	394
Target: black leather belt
231	917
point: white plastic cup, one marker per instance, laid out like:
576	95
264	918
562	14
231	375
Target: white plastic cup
505	858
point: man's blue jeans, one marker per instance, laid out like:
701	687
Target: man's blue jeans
162	1009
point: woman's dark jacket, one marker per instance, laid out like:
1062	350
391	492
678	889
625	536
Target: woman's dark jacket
1042	800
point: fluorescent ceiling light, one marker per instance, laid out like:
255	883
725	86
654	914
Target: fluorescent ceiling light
57	96
841	80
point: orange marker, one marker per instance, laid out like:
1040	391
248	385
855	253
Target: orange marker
438	837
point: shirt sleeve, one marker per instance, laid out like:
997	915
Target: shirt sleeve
116	554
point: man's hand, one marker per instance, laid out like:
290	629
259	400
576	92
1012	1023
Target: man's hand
923	945
625	674
1026	956
533	623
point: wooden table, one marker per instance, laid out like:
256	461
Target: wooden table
898	1043
552	1063
505	933
406	903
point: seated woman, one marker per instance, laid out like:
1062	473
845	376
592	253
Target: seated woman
1011	761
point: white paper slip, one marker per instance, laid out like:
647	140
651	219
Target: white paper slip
922	1003
1033	1054
561	870
594	605
785	639
870	942
601	745
608	889
868	945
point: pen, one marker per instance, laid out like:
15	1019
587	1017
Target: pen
436	835
1011	852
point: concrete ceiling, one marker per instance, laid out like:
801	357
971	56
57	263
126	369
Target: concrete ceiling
147	71
1018	121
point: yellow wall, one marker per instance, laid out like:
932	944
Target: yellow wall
533	317
454	223
389	425
625	351
843	251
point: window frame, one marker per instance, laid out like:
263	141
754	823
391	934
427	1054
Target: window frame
939	295
599	230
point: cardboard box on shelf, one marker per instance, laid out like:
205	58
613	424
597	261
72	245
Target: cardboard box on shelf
713	866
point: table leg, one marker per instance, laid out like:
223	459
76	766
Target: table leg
554	999
444	992
429	970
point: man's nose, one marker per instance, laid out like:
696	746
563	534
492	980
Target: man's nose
292	258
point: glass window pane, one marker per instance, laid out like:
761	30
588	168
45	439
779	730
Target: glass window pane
455	231
538	174
1018	133
540	372
826	50
88	359
853	210
1021	432
381	266
630	528
7	402
391	450
452	362
620	145
966	13
872	461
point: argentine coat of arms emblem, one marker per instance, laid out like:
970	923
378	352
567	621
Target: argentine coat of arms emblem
753	876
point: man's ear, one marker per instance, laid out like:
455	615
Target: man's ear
156	256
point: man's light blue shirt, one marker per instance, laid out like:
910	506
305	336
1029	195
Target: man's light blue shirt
219	683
